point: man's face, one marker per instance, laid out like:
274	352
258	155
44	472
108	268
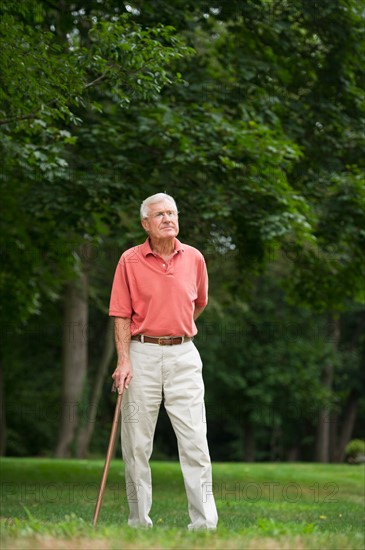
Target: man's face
162	221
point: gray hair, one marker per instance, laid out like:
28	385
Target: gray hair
158	197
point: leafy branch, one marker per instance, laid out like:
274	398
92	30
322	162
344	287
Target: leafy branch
118	52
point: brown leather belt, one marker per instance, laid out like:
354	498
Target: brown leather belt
162	340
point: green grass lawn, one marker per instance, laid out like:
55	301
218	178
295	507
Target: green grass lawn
49	504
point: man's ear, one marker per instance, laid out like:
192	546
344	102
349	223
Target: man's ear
145	225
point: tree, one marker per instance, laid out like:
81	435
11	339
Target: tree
264	393
243	129
134	62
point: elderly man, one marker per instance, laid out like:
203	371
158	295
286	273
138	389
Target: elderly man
159	290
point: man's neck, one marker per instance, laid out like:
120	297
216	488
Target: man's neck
163	247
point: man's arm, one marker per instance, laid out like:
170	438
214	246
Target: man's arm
198	311
123	373
202	289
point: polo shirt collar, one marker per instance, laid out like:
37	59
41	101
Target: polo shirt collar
146	247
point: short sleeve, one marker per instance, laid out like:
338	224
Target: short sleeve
120	299
202	284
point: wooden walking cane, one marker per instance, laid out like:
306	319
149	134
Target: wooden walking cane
108	455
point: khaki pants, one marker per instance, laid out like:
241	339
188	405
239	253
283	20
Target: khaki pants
172	373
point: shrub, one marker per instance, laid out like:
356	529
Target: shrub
355	451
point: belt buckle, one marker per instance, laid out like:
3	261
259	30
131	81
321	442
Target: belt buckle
165	341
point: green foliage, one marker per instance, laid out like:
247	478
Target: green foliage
46	84
271	377
45	80
328	275
40	81
355	448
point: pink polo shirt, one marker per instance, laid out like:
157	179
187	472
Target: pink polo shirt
160	297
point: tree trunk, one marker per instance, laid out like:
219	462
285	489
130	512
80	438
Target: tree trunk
276	450
323	428
292	454
74	360
334	420
351	406
2	413
86	431
348	425
249	438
